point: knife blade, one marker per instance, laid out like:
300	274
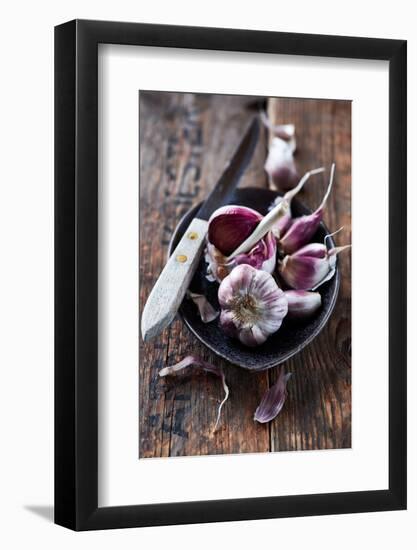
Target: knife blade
172	284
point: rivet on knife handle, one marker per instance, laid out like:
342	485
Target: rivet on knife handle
172	284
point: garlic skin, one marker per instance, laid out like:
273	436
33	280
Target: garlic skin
280	165
273	400
192	361
302	229
229	226
310	267
253	306
302	304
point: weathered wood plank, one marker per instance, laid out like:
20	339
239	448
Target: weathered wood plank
317	414
185	141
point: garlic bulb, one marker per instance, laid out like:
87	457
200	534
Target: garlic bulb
310	267
302	229
302	303
253	306
229	226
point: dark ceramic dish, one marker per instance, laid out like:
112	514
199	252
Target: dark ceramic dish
292	336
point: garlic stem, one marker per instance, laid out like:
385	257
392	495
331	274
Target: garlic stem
337	249
291	194
266	224
332	235
329	188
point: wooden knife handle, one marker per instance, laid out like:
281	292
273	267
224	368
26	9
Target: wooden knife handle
172	284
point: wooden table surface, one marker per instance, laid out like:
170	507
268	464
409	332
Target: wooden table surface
185	141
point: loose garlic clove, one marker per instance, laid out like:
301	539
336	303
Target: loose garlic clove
280	165
284	223
302	304
205	309
310	267
253	306
303	228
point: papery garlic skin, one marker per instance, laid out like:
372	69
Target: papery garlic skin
309	267
192	361
217	265
229	226
253	306
302	304
280	166
273	400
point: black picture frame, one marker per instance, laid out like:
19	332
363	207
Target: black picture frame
76	272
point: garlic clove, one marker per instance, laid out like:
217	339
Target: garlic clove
302	303
315	250
280	166
206	310
231	225
253	306
309	267
303	272
284	223
302	229
273	400
283	131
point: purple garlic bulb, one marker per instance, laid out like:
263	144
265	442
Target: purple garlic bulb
252	305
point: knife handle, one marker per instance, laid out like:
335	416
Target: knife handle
173	282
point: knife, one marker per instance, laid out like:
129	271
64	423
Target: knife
172	284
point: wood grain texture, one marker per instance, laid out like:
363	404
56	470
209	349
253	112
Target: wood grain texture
185	141
317	414
169	290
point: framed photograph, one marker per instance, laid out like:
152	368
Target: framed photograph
230	246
